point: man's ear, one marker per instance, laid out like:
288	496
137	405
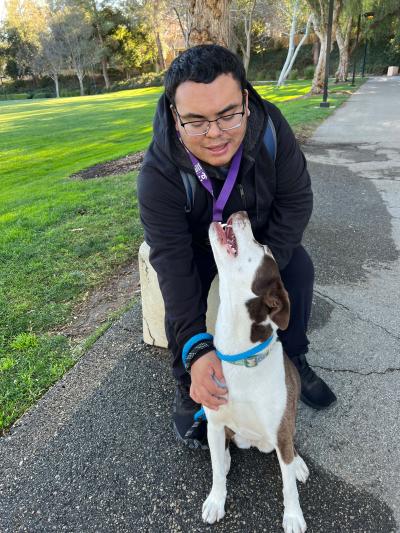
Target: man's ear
172	108
246	101
277	300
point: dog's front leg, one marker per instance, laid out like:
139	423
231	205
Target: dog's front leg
214	505
293	519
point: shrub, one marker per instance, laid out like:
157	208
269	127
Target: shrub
309	72
14	96
42	93
147	79
68	92
293	74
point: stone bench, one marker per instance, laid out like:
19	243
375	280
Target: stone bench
153	305
393	71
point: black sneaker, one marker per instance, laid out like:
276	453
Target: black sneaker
188	431
314	391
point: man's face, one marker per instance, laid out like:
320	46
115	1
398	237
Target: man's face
199	101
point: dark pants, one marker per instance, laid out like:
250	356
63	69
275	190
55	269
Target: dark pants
298	279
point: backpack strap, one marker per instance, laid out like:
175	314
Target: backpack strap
270	139
190	181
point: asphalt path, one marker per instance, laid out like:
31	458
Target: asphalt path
97	453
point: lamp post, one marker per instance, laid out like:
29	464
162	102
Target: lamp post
369	16
324	102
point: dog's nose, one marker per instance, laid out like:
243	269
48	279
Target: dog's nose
240	216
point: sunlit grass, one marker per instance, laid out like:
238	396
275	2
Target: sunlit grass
60	237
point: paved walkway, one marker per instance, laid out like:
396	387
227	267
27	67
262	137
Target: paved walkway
97	453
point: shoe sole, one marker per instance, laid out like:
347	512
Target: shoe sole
316	406
193	444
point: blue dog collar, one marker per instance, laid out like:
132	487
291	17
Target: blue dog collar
251	357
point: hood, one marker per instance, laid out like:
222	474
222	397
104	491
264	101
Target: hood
167	142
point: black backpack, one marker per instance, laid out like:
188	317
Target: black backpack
190	181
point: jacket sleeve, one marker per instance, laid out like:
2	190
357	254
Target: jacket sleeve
162	200
293	200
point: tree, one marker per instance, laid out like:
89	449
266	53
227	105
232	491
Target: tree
319	11
51	59
242	16
343	32
136	47
181	9
293	50
76	34
344	29
25	20
210	22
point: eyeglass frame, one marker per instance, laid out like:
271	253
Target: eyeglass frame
183	124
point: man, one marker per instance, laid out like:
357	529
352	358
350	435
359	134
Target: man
211	123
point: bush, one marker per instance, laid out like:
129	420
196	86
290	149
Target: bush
147	79
293	74
42	93
65	93
14	96
309	72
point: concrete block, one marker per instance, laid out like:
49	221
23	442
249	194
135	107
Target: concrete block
393	71
153	304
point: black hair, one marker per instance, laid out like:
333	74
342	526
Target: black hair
202	64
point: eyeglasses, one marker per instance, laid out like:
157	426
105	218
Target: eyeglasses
202	127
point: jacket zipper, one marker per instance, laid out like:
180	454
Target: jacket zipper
243	197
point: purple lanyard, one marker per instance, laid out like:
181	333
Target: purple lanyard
219	203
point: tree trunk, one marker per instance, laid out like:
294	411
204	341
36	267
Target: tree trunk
104	67
295	54
161	60
210	22
344	51
319	75
80	78
315	52
320	22
56	85
290	53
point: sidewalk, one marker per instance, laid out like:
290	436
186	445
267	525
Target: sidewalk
97	454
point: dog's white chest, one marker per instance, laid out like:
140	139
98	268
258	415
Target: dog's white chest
256	399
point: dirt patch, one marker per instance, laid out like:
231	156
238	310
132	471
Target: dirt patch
100	303
111	168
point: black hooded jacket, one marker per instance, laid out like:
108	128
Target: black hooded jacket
277	198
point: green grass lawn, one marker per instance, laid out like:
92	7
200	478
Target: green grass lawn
60	237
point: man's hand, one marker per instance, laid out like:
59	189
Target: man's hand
204	388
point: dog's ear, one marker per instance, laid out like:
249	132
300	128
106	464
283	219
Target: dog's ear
257	309
277	299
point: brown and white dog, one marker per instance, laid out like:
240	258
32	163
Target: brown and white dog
262	399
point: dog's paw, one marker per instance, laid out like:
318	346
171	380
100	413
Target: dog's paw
302	471
213	509
294	523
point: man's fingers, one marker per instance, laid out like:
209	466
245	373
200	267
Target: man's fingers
216	389
216	372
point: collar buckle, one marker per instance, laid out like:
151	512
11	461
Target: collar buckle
251	362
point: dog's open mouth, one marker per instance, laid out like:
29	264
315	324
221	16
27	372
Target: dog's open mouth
227	237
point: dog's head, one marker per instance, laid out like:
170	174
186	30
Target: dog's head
249	274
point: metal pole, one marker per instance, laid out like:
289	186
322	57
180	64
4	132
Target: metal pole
364	58
355	50
324	102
